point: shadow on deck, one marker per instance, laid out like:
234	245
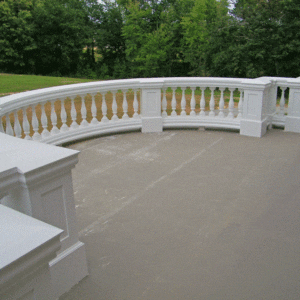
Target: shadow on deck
189	215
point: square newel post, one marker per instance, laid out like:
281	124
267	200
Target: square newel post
255	117
151	105
47	195
292	122
271	96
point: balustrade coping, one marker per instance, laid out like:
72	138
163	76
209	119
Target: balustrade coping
260	106
14	101
20	242
29	156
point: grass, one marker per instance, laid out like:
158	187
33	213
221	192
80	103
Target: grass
11	84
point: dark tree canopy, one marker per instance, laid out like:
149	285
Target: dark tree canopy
150	38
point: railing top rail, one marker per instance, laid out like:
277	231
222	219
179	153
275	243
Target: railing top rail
16	101
72	90
202	81
20	235
282	81
28	156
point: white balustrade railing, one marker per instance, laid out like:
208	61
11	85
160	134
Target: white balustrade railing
207	102
36	180
284	108
62	114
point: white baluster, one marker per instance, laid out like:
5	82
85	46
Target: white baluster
212	102
282	102
63	114
1	125
164	103
193	102
53	118
35	125
135	105
26	126
94	111
221	104
17	126
9	129
125	106
240	106
74	124
173	103
114	107
44	121
84	122
202	102
104	109
183	103
231	105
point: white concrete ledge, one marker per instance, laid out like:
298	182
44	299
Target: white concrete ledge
27	246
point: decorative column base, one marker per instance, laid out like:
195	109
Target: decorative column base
253	128
292	124
152	124
68	268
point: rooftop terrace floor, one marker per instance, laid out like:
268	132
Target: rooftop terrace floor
189	215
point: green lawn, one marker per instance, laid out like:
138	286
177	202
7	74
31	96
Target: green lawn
10	84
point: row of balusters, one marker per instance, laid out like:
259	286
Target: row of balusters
212	103
38	127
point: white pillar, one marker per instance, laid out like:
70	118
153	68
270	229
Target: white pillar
292	122
255	118
46	173
151	105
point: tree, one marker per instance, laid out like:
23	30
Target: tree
249	43
198	26
60	34
149	33
108	21
289	34
16	36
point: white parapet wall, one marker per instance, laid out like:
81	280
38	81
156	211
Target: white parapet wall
63	114
27	247
35	175
39	184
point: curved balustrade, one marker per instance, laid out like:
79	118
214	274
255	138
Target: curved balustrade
37	180
210	102
61	114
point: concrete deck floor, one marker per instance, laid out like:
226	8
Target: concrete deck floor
189	215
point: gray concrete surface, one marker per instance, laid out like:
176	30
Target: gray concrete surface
189	215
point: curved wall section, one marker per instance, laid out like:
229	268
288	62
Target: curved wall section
66	113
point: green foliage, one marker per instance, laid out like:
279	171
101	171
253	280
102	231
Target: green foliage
198	25
110	44
16	41
195	37
261	39
149	35
150	38
60	36
289	34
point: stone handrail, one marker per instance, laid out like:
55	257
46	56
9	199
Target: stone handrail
27	247
62	114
